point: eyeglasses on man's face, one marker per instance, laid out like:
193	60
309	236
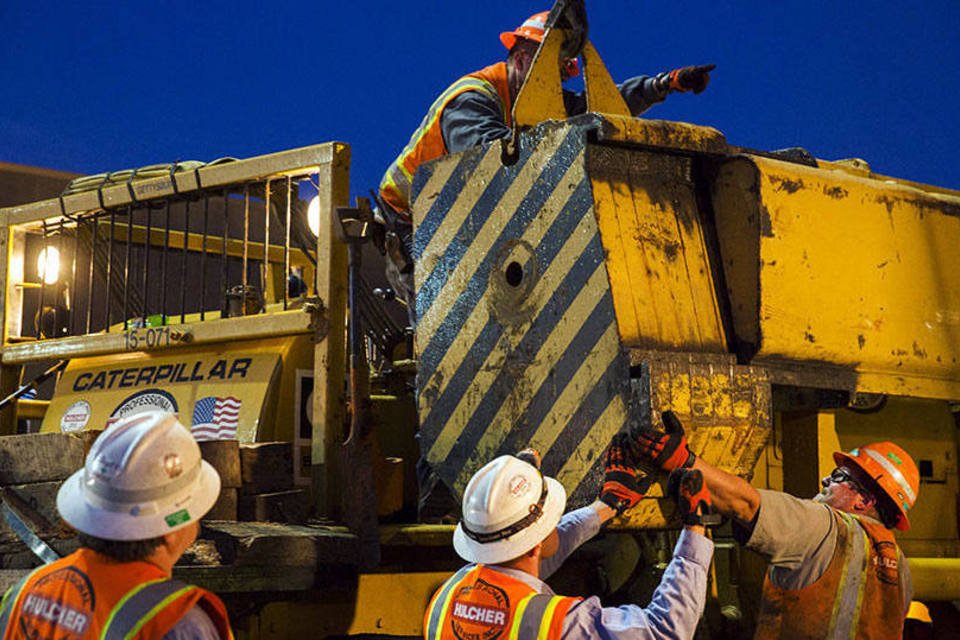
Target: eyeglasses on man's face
840	475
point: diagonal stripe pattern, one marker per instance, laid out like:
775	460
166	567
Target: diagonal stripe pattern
517	337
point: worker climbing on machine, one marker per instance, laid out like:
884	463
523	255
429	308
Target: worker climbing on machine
136	504
476	109
514	537
835	568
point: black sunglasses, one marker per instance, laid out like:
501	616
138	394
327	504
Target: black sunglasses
843	475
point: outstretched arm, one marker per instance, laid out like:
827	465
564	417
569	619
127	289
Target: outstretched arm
667	450
732	496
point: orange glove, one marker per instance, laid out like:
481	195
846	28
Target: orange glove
665	450
621	487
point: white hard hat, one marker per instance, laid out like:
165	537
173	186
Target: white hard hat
509	507
143	478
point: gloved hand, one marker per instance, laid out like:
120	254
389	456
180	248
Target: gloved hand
665	450
689	491
693	78
621	489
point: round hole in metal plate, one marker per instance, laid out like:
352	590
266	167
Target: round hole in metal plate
514	274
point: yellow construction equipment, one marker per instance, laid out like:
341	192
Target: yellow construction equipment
580	278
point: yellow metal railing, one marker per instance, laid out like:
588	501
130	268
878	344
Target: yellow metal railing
146	264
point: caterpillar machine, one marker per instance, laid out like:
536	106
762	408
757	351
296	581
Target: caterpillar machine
575	280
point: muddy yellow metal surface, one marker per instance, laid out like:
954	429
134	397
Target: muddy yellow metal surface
220	392
838	275
660	275
725	410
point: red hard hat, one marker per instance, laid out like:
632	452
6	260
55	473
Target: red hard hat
534	28
892	469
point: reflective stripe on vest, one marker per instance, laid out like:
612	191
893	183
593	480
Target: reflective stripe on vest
441	602
397	181
140	605
534	616
853	580
9	602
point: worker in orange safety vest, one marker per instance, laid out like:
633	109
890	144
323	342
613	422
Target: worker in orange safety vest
835	570
136	504
513	536
475	110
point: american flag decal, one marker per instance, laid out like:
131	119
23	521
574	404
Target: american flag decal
215	418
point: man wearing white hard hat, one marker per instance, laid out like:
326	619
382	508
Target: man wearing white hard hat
136	504
510	513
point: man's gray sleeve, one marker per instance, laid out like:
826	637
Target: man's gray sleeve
470	119
796	536
639	92
195	625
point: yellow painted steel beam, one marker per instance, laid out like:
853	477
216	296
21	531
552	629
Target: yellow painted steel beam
842	281
656	253
32	408
935	578
541	96
389	604
603	96
165	337
664	134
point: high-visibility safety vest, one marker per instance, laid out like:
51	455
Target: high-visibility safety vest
84	595
427	143
860	595
480	603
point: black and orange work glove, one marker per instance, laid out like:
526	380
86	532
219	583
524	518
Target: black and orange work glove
689	491
693	78
622	488
665	450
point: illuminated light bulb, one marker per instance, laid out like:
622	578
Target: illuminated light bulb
313	215
48	264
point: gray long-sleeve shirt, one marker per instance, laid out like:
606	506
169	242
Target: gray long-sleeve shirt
474	117
673	612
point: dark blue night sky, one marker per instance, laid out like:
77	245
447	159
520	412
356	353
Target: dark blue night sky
91	87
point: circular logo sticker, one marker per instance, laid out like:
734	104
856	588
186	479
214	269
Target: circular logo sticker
519	485
146	400
480	612
58	605
75	417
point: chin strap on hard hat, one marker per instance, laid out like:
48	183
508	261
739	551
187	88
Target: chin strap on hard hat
536	511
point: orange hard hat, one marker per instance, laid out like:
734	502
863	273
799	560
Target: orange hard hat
892	469
534	28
